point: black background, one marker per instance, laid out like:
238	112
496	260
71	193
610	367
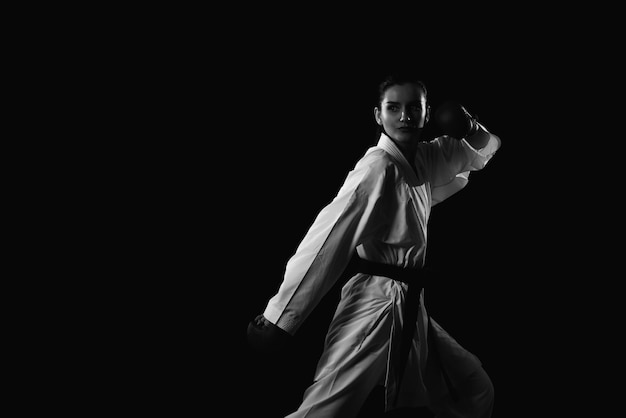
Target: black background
239	141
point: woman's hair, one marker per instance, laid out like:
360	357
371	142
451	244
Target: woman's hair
398	78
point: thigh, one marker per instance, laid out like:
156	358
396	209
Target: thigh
360	330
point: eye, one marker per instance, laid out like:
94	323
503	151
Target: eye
416	108
392	108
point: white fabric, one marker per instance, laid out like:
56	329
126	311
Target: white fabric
382	211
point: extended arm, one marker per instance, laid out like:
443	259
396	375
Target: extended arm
324	253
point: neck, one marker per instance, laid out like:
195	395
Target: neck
407	149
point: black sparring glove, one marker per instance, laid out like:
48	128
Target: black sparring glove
455	120
266	337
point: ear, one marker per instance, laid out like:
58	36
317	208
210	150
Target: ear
377	116
427	118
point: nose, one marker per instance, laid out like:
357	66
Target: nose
405	116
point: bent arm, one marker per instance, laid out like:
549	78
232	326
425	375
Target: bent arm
452	161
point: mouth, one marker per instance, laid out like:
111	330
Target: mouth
407	128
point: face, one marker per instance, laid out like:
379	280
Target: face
403	112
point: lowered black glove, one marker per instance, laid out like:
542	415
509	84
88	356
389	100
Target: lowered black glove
266	337
455	120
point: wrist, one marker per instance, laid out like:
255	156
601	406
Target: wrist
474	127
478	139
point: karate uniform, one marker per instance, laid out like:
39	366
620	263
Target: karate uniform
382	212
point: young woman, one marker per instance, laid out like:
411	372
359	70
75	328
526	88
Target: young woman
381	333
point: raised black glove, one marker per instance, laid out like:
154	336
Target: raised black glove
266	337
455	120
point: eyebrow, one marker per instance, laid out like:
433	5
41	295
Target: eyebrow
409	103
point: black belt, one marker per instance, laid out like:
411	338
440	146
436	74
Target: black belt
416	279
401	274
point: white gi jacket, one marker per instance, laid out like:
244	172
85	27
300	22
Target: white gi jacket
382	211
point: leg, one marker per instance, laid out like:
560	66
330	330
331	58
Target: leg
354	361
339	394
476	398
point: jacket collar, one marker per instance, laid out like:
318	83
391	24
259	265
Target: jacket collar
392	149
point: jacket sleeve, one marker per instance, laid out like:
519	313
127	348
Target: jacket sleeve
323	254
450	162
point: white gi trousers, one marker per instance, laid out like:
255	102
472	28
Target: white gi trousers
357	354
